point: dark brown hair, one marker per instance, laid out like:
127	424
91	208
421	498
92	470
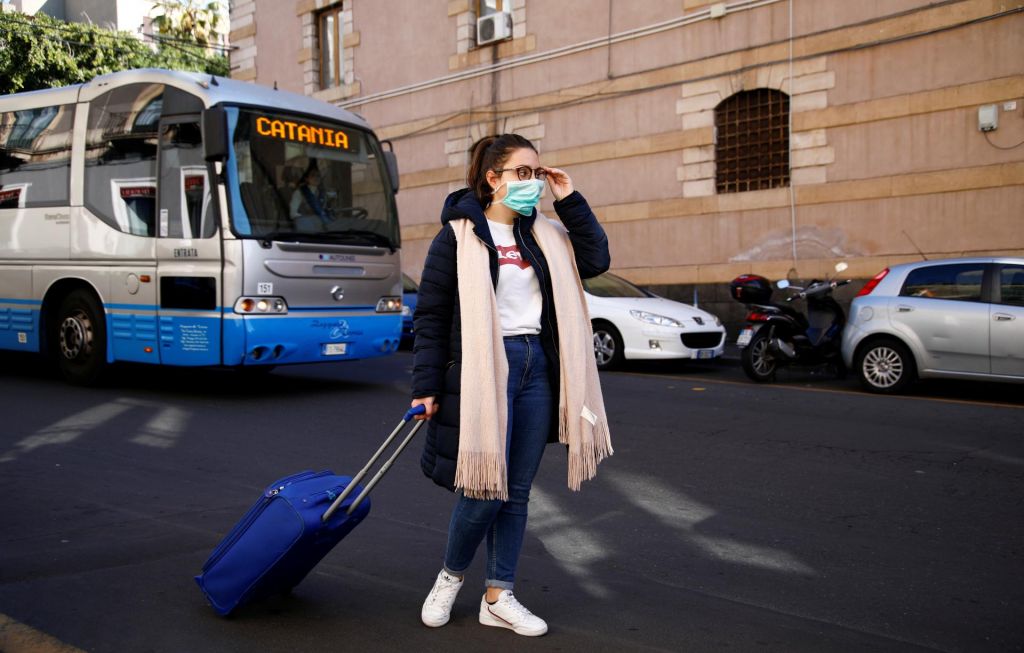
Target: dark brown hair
490	153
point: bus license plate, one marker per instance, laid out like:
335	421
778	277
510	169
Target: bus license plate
335	348
745	336
705	353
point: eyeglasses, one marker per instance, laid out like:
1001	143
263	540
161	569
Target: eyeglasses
525	172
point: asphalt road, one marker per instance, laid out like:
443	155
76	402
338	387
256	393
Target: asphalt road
800	516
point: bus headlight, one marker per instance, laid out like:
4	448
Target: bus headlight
389	305
261	306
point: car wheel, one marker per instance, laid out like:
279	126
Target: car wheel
885	366
757	359
79	338
607	346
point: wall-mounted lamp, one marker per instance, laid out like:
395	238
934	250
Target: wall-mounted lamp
988	117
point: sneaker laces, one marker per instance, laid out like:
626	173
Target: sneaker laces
513	604
444	589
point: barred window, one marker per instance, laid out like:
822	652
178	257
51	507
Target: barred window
752	142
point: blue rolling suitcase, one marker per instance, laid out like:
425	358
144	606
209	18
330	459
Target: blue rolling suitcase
295	523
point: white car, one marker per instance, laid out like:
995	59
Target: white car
631	323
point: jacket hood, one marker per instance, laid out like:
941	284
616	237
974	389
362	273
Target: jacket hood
462	204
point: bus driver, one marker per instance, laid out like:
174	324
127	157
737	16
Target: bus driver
308	202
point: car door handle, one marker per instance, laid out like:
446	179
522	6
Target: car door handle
1003	317
904	309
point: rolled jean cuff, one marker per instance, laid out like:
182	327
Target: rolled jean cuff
457	574
500	584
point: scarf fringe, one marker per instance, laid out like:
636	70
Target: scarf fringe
587	455
481	475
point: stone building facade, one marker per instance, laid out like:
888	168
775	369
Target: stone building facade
876	113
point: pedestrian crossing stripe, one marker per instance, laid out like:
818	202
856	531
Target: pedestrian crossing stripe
16	637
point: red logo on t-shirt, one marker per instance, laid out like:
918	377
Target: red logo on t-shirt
509	255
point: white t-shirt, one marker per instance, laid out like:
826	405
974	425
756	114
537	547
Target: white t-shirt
518	294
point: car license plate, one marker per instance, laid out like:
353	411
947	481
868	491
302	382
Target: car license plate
705	353
745	336
335	348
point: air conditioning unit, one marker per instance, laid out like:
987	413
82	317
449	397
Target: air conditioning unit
493	27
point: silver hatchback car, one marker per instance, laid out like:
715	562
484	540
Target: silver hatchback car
952	318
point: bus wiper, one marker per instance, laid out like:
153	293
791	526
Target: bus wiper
364	234
267	238
284	235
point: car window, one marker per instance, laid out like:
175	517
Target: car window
1011	285
960	281
609	285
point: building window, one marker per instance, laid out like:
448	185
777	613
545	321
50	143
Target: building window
332	70
752	141
488	7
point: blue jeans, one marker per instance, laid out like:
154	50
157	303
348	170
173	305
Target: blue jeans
503	523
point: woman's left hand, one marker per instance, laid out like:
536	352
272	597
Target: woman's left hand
559	183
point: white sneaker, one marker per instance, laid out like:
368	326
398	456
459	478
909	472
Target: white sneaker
437	609
507	612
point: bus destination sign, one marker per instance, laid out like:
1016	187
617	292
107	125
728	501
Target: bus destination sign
291	130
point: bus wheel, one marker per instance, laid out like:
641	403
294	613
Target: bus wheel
80	338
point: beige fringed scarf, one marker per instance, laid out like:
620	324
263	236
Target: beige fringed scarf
483	416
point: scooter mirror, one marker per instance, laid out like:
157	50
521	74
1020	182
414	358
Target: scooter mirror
841	266
782	284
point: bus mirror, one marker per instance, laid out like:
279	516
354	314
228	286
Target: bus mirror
215	134
392	163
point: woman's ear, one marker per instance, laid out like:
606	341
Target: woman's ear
493	179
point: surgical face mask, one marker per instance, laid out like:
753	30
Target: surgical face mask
522	196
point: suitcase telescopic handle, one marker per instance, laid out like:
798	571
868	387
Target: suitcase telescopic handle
412	412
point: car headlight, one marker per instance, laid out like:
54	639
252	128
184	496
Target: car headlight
660	320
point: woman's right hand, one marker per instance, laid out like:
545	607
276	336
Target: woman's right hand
428	404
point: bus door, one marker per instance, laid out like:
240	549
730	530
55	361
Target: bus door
188	250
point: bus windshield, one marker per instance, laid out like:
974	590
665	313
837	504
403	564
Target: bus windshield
294	178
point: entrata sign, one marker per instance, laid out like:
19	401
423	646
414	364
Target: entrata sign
290	130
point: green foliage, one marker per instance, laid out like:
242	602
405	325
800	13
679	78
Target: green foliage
39	52
187	20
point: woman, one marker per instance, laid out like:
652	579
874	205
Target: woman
308	202
504	362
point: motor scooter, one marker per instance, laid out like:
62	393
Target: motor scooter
778	335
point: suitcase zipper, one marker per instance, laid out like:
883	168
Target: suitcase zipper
278	486
329	495
254	512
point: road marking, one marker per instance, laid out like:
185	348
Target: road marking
577	551
857	393
684	515
18	638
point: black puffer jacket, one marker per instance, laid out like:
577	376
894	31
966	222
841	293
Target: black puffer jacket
437	364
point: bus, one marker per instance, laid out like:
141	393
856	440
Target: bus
177	218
